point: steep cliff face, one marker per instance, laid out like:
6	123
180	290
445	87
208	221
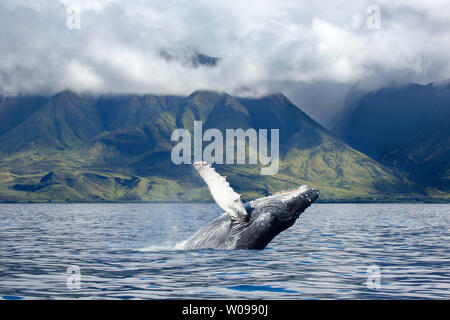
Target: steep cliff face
407	128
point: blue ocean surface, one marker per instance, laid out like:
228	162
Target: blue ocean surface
130	251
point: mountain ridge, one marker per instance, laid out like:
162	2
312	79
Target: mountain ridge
87	148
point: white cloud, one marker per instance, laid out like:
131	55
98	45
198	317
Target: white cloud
263	45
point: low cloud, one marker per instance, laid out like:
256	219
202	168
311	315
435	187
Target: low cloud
263	46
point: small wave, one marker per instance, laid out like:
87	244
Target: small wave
155	248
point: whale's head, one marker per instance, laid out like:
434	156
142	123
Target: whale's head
271	215
292	204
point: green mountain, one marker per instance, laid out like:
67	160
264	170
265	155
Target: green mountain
405	127
72	147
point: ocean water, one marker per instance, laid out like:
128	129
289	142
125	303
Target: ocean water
129	251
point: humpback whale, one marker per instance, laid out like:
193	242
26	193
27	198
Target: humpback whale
247	226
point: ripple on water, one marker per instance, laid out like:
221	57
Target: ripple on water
132	251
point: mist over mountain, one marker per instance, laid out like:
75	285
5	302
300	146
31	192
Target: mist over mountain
403	127
189	58
72	147
311	51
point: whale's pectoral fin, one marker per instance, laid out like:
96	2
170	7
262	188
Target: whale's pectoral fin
223	194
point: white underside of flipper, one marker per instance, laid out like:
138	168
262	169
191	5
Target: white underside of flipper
222	193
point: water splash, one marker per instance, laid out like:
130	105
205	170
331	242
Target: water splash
155	248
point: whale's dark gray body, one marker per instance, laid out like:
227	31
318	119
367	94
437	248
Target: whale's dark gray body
266	218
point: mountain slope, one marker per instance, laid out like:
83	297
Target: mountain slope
64	121
407	128
117	148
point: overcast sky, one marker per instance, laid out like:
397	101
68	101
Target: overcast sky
313	51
